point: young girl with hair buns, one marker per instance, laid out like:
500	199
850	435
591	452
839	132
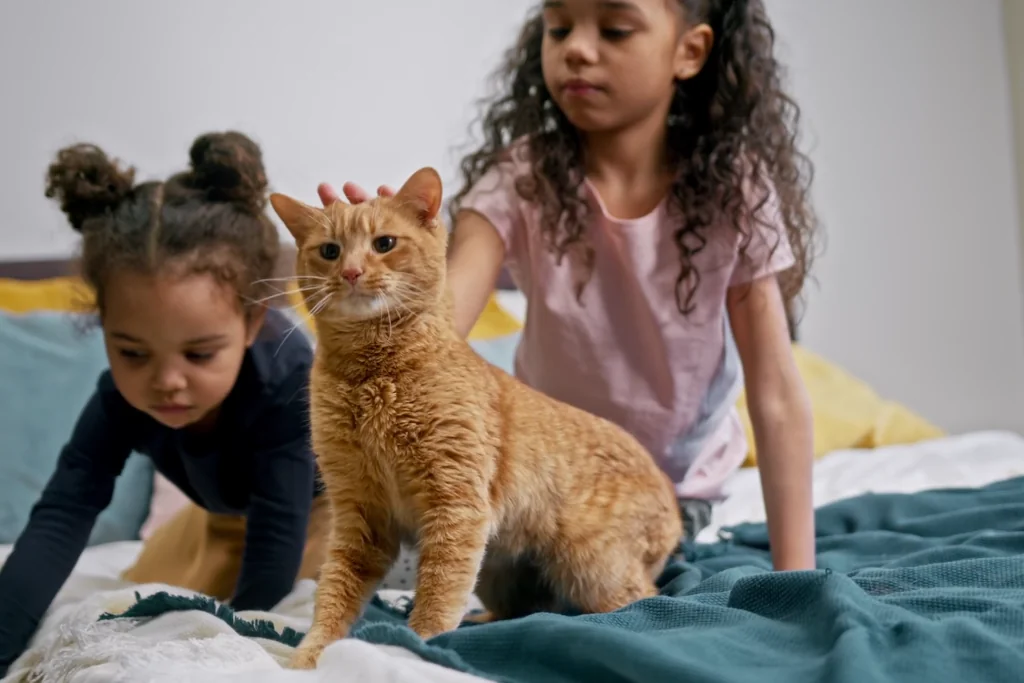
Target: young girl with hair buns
202	379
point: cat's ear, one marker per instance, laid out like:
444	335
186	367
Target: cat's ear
296	216
422	192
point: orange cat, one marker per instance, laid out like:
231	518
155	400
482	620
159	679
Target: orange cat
421	440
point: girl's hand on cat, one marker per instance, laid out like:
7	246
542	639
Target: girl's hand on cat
354	193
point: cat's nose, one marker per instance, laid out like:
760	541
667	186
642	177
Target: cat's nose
351	274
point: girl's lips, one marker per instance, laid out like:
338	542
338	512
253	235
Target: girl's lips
172	409
579	87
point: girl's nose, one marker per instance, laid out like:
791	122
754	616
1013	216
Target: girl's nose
581	46
169	380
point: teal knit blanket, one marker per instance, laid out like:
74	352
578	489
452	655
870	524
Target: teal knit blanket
921	588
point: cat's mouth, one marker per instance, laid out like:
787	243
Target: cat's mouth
367	301
357	303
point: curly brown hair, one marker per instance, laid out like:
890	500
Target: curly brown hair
207	219
731	140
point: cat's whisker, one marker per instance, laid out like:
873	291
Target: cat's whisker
305	302
279	294
320	306
292	278
387	309
408	286
407	293
408	311
288	334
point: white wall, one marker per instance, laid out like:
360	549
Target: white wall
1013	19
906	102
919	292
331	89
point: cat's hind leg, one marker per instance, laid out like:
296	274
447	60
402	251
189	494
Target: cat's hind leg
599	577
511	586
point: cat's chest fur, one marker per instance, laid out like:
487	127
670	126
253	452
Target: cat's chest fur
365	433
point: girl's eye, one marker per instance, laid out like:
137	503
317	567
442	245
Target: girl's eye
384	244
558	33
132	354
199	357
330	251
616	33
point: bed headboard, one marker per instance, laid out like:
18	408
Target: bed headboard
42	269
34	270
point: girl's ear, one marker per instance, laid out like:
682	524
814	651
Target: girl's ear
693	50
254	323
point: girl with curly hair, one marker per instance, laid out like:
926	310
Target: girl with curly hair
640	181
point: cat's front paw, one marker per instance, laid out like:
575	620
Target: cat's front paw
306	656
427	626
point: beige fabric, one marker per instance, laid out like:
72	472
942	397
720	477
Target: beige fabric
202	551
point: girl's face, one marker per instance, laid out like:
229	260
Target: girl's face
175	343
610	64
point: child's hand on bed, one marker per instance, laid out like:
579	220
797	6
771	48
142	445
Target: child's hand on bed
354	193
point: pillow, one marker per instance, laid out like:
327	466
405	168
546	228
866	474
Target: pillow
50	361
498	351
495	323
55	294
847	412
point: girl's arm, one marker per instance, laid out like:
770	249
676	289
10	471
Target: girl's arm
283	475
781	416
58	529
475	255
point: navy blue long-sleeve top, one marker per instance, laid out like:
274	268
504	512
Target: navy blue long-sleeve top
256	461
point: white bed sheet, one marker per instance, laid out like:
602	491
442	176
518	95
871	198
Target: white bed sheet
969	460
193	646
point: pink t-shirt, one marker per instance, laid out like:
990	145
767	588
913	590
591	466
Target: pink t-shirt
624	351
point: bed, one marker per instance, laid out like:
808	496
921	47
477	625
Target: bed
921	548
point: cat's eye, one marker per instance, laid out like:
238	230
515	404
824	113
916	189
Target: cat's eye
384	244
329	251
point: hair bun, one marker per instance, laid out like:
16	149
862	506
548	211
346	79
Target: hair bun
87	182
229	167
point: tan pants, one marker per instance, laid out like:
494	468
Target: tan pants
202	551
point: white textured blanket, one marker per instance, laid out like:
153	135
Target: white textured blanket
74	646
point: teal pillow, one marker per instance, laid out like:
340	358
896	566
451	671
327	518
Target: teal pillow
499	351
49	362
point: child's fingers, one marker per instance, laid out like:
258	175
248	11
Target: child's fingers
355	193
328	195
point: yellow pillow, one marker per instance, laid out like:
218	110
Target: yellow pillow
53	294
494	322
847	412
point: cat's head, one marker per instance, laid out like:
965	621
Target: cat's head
380	259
